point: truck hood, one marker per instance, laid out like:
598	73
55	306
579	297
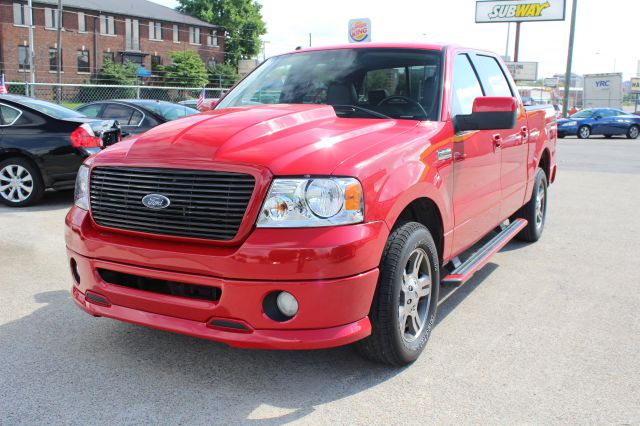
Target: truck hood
287	139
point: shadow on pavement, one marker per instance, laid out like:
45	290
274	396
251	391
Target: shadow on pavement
52	200
96	370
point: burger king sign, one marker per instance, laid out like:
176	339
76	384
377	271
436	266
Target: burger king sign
359	30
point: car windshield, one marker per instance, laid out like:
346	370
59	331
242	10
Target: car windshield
586	113
53	110
358	83
167	110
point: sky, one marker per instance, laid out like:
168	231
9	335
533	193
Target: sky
607	32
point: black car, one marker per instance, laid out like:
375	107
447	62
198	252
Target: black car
136	115
42	145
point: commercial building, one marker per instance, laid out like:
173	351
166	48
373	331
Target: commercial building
94	31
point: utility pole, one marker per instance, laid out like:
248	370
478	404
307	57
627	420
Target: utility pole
567	75
517	48
309	39
506	49
59	54
32	71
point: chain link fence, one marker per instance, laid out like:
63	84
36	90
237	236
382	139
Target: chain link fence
73	95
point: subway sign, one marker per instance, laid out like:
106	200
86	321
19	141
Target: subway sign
520	10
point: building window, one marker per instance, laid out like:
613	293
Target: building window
107	25
156	63
176	34
211	63
108	56
21	14
212	38
131	34
133	58
50	18
155	30
23	58
194	35
82	23
53	60
83	61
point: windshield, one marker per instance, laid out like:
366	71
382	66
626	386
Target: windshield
169	111
586	113
361	83
53	110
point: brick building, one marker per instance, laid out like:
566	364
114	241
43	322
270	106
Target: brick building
138	31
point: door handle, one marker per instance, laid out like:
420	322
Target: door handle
497	140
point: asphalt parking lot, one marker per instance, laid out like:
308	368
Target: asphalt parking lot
547	333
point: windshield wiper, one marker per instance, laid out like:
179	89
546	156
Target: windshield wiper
355	108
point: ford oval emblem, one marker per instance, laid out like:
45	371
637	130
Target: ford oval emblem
156	201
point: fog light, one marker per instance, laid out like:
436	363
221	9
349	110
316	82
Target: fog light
287	304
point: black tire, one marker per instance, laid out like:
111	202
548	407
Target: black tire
30	179
533	231
387	343
584	132
633	132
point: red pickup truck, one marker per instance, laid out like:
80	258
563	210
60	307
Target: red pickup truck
322	202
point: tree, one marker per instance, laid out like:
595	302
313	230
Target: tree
223	75
120	74
241	20
187	69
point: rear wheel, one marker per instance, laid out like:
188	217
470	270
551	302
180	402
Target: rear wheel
633	132
584	132
20	182
535	211
404	307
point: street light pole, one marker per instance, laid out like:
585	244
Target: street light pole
59	54
32	71
567	75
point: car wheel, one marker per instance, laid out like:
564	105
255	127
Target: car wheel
633	132
20	182
404	306
535	211
584	132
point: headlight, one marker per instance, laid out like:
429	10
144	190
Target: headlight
81	196
569	123
297	203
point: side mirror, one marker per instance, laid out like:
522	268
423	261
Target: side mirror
489	113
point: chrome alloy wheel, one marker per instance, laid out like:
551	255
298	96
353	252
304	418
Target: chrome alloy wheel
540	204
633	132
585	132
16	183
415	295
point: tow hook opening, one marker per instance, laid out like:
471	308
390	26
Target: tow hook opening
97	299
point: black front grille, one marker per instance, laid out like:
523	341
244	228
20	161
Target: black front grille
173	288
204	204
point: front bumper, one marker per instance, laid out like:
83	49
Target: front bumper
333	277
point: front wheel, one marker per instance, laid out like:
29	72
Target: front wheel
633	132
584	132
404	306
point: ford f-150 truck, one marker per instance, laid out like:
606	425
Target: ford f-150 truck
322	202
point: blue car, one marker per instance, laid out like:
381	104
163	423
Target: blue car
599	121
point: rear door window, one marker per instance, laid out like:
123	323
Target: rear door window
8	115
493	78
119	112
